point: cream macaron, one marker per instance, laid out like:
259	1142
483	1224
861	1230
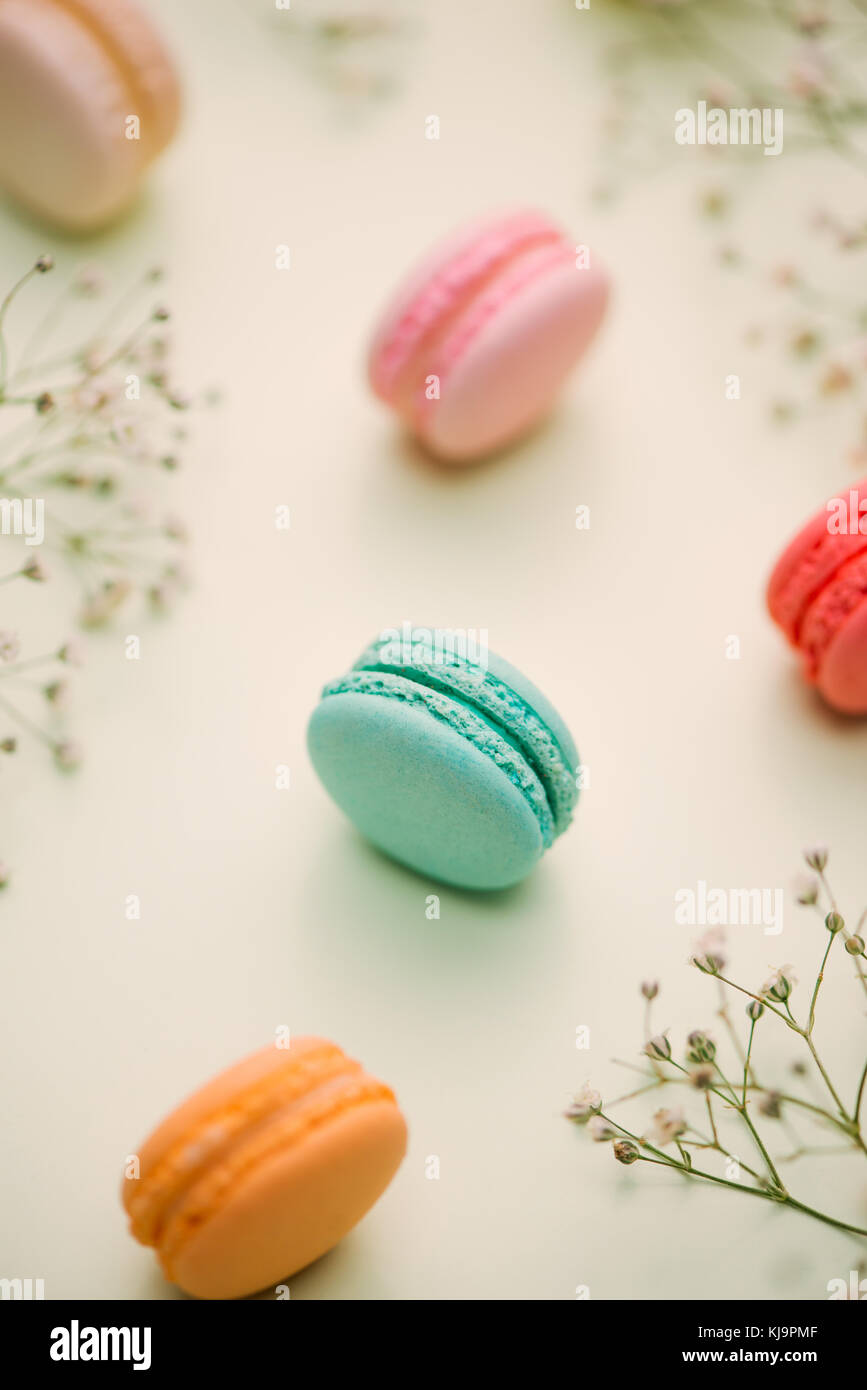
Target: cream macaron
264	1169
88	98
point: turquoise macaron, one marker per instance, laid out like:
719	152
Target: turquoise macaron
456	766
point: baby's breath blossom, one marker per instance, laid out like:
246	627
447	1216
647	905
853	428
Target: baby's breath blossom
658	1047
67	755
808	892
702	1076
700	1048
780	983
89	281
600	1130
71	654
100	606
585	1104
809	73
770	1105
709	954
34	570
666	1126
56	692
10	646
817	859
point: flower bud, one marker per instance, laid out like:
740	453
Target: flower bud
650	989
855	945
700	1048
755	1009
659	1048
816	859
625	1151
834	922
779	985
702	1077
770	1105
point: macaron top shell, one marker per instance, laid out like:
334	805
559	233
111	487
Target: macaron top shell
264	1168
462	772
496	321
71	72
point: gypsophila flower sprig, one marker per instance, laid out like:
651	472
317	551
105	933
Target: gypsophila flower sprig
88	414
727	1093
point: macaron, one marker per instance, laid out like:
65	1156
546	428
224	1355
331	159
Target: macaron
264	1169
817	594
453	764
88	98
478	341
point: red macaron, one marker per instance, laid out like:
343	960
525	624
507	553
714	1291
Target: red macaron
817	594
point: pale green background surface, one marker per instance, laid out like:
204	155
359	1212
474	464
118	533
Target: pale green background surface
262	908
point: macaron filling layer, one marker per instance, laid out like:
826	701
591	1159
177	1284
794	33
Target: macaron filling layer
499	705
189	1182
483	733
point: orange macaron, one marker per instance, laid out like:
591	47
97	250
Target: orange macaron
264	1169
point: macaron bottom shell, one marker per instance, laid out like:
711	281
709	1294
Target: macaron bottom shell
424	793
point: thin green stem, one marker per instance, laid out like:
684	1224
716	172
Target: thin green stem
4	309
811	1019
747	1063
826	1078
860	1095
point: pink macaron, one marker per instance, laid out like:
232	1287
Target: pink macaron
817	594
477	343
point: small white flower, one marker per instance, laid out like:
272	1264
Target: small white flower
9	646
780	983
666	1126
587	1102
709	954
600	1130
